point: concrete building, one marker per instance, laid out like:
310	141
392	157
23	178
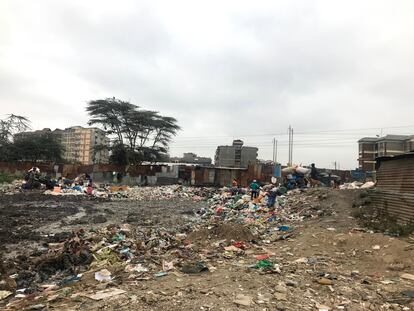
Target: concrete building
236	155
390	145
191	158
79	143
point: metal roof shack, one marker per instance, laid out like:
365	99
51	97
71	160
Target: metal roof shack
395	186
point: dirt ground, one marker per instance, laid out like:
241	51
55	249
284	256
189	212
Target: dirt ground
360	270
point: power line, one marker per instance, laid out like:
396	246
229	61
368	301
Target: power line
308	132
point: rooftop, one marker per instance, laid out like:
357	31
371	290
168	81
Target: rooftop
368	139
396	157
396	137
386	137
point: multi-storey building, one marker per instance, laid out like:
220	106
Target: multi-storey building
372	147
192	158
236	155
79	144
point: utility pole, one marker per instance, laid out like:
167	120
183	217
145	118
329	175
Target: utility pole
289	148
335	165
290	145
276	151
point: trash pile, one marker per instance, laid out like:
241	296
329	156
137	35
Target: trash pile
231	226
294	205
165	193
296	177
303	171
10	188
357	185
133	193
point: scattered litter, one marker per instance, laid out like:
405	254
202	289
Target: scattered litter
103	276
4	294
321	307
242	300
262	257
407	276
167	265
136	268
325	281
194	268
408	293
160	274
283	228
106	293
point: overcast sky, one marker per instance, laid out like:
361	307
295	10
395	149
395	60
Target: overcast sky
334	70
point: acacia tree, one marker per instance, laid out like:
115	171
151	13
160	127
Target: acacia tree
8	127
138	135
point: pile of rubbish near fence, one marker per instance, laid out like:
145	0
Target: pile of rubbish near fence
137	192
230	227
11	188
357	185
295	177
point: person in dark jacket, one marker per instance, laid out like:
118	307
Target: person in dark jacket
314	176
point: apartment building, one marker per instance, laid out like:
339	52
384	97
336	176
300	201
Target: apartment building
79	144
390	145
236	155
191	158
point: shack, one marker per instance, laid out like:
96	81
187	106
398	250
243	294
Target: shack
395	186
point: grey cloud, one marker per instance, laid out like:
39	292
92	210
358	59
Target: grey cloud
312	65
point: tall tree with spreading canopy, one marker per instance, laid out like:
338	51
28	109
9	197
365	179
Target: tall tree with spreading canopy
138	135
8	127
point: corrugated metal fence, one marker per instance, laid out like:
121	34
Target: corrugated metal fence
395	187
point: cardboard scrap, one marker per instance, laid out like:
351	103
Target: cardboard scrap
106	293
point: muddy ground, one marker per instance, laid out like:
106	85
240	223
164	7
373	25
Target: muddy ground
28	220
363	269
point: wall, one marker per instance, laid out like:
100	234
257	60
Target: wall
151	174
395	187
158	174
248	156
225	156
367	156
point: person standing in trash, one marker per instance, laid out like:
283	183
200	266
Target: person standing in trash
88	179
314	176
254	188
119	177
234	187
271	197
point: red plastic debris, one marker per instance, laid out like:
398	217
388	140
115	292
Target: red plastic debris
262	257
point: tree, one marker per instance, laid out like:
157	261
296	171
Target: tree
138	135
37	147
8	127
